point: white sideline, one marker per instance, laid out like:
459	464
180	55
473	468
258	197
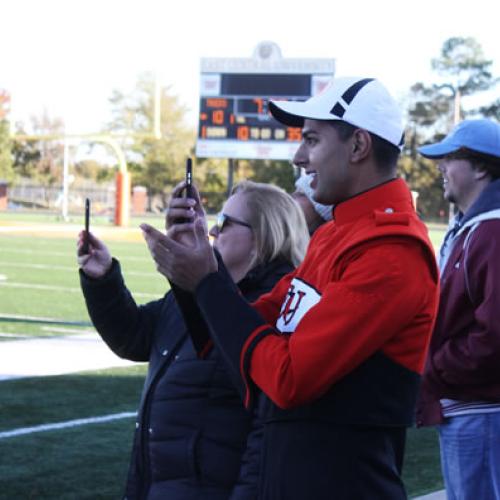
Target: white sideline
62	425
41	357
436	495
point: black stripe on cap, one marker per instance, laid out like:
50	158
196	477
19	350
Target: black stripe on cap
338	110
349	95
352	91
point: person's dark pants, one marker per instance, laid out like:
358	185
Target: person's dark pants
320	461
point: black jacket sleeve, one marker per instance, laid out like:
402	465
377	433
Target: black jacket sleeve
231	321
196	324
125	327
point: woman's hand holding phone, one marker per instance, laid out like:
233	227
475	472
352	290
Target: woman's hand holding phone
93	256
184	208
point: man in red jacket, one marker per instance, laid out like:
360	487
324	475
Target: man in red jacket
339	344
461	384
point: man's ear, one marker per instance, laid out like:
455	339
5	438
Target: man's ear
480	173
361	145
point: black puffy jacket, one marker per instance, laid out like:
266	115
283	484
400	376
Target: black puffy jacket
193	438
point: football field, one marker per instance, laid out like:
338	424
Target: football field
69	436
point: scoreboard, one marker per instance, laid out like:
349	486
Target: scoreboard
234	121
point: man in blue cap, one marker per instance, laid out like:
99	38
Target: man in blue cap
460	389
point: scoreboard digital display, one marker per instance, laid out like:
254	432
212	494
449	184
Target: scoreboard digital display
234	121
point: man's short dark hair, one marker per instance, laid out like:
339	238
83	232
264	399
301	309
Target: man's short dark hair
386	154
479	161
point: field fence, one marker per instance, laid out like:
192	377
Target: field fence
32	195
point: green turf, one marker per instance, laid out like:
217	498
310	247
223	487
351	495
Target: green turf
88	462
436	234
422	469
41	277
82	462
67	397
41	217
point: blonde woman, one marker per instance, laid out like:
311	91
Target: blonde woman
193	437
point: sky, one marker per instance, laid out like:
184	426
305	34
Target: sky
67	56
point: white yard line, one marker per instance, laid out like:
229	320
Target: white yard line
65	330
55	288
23	317
9	335
63	254
64	425
72	269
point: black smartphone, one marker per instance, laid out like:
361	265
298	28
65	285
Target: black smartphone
188	192
189	178
85	247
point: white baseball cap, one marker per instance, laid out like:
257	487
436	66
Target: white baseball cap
362	102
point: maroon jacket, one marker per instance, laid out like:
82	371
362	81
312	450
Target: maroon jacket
464	355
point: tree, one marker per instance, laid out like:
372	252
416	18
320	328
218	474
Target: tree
6	171
40	159
492	110
465	69
93	170
280	173
431	114
26	154
156	163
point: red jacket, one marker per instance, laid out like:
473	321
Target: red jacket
349	329
367	285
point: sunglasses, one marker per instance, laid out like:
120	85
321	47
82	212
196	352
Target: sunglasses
223	220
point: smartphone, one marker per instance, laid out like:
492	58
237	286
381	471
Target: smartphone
85	247
189	178
188	192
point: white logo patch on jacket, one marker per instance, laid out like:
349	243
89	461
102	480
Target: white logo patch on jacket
298	300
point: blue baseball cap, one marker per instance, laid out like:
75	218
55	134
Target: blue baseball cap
481	136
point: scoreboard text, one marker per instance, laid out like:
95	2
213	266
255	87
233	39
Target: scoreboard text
234	120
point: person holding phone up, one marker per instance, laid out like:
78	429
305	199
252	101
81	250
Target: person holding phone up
339	344
193	436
